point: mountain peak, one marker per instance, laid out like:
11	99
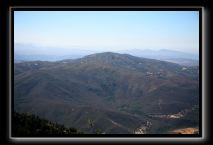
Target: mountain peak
105	54
110	58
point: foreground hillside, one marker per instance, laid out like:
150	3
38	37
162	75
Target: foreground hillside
116	93
25	125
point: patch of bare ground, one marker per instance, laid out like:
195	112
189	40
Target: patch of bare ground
185	131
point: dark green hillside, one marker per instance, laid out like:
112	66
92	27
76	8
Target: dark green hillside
117	91
26	125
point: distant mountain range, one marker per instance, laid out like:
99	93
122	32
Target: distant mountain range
26	52
178	57
29	53
161	54
110	92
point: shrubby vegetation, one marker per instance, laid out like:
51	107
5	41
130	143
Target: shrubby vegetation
26	124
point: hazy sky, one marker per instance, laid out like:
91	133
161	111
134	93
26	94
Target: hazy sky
108	30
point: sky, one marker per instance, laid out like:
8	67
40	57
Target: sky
47	31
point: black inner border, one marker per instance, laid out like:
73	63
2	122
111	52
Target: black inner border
115	9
